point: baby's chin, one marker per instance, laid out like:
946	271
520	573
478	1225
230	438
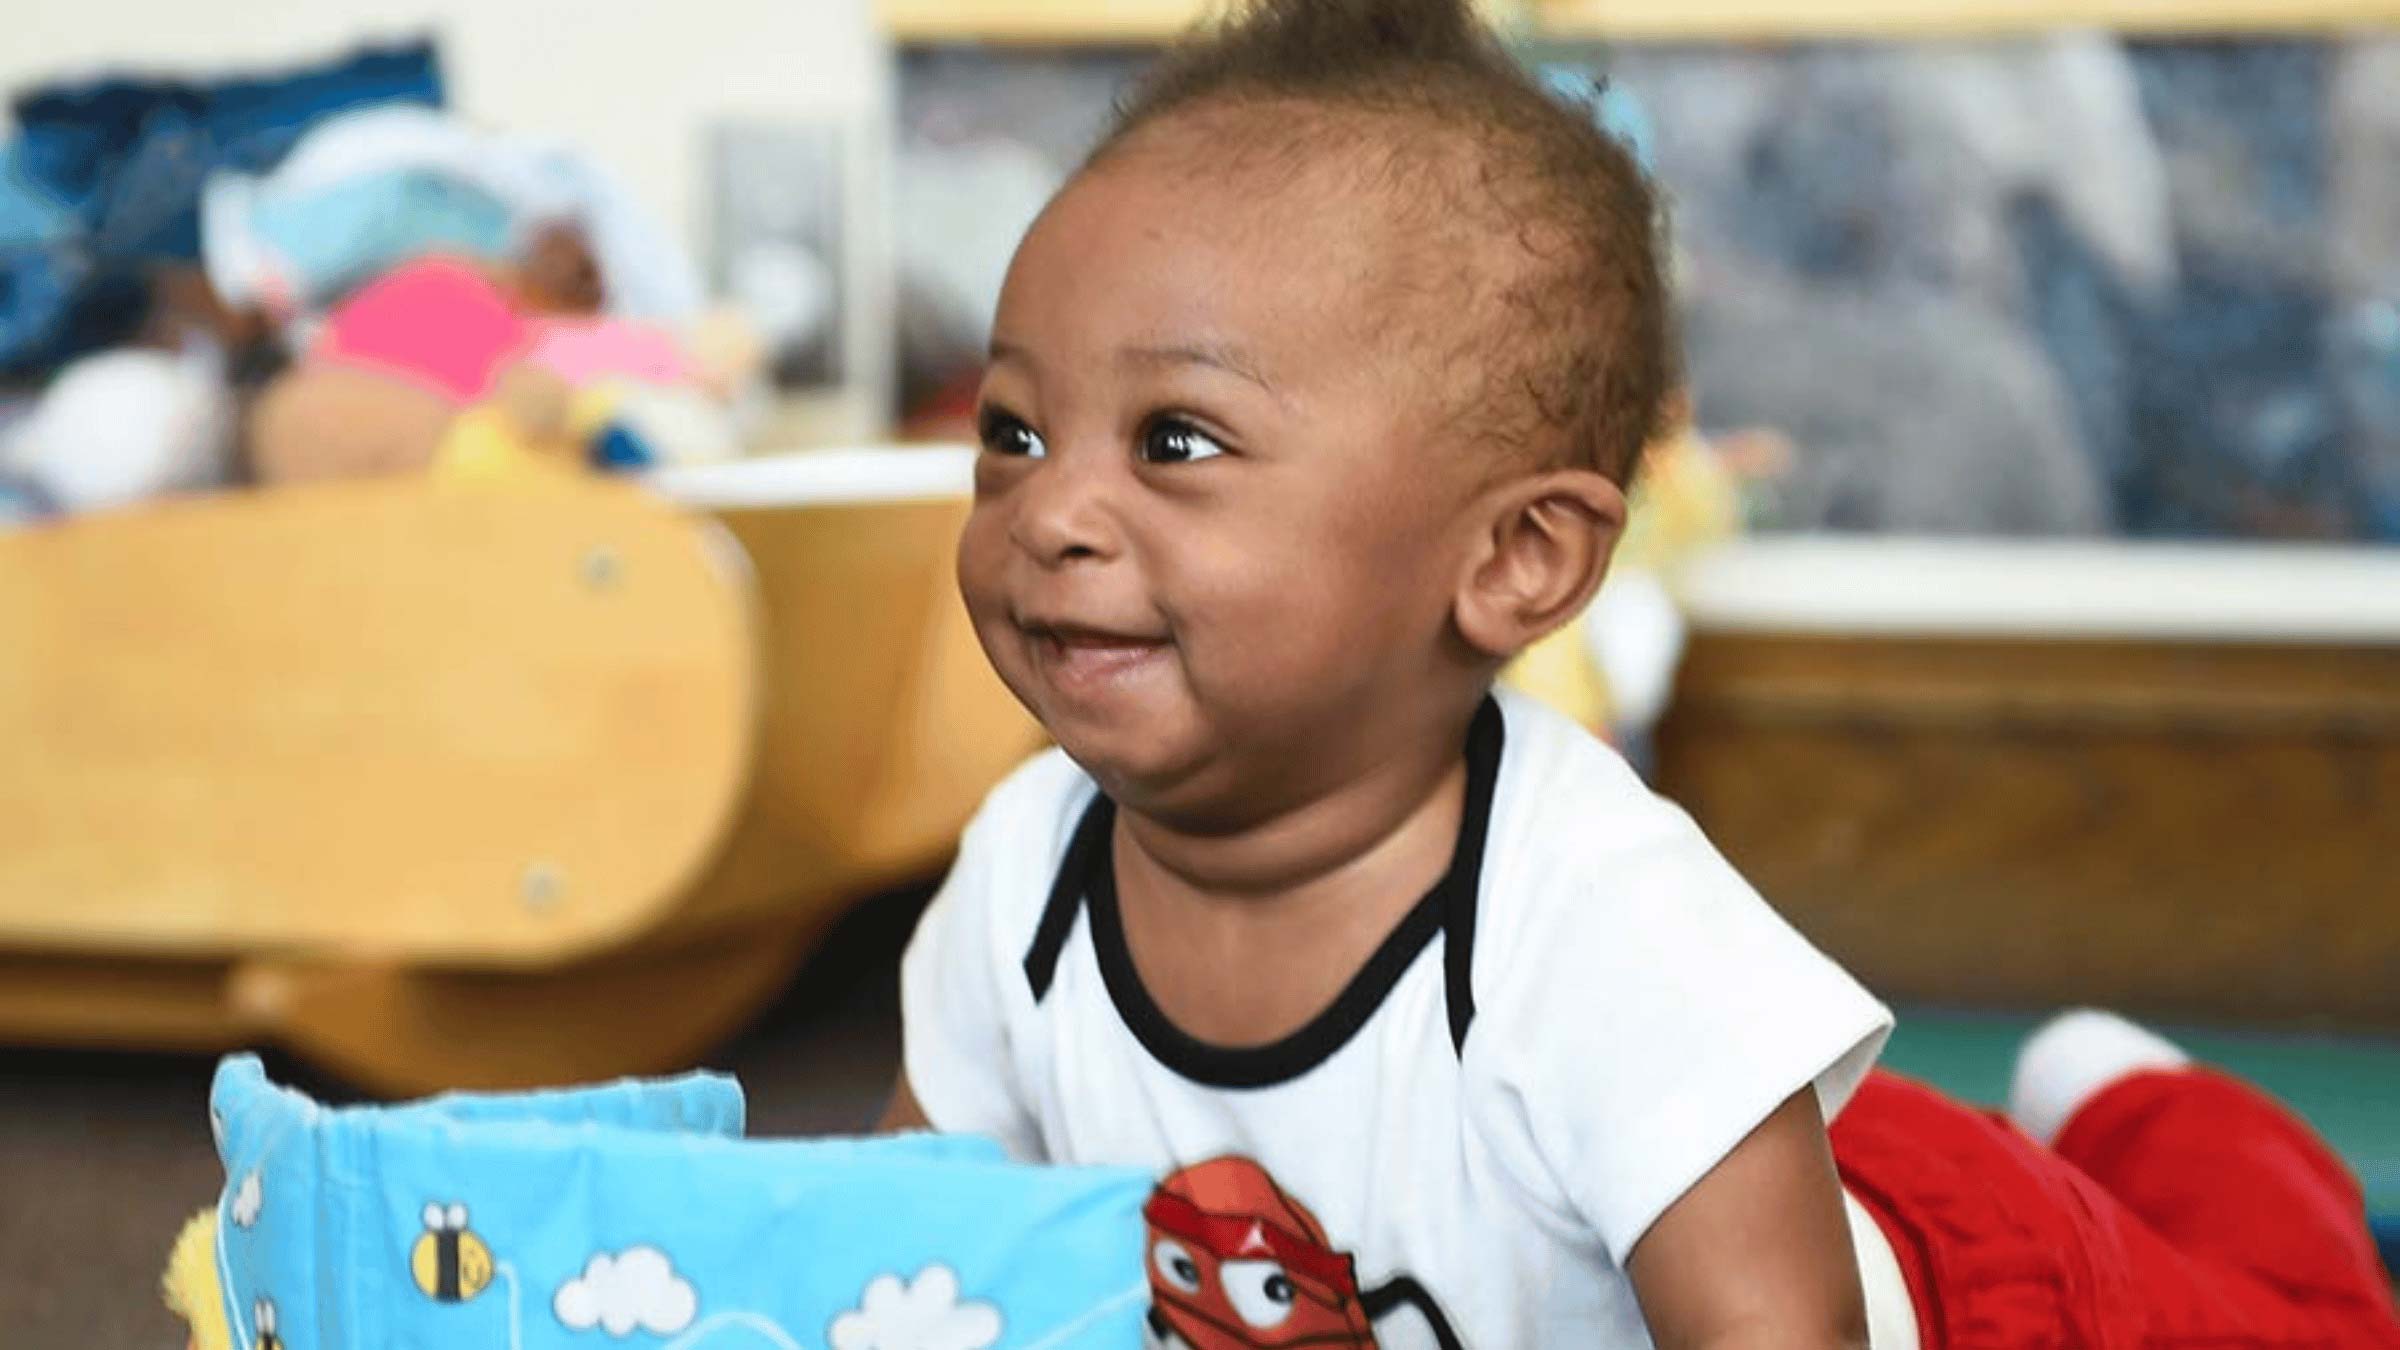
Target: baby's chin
1165	765
1140	766
1135	742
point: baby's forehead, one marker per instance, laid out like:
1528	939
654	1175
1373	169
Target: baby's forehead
1375	176
1370	215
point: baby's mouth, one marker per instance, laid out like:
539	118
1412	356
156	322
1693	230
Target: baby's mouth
1084	659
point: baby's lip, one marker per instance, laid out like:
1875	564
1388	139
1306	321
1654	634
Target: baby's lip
1070	633
1085	662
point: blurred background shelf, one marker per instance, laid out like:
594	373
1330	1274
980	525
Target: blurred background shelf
1071	22
2164	779
1750	20
1135	22
1037	22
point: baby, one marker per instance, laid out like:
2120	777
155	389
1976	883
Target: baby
1313	399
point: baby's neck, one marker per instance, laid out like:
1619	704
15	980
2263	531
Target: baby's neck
1366	825
1242	938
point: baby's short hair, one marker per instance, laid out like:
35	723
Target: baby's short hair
1571	355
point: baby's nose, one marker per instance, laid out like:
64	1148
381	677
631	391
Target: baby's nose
1063	516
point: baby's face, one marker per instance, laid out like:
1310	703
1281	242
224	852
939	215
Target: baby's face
1217	527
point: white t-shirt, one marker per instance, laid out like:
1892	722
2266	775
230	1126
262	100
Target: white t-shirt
1573	1026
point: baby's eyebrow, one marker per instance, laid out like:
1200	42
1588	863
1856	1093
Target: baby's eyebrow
1216	355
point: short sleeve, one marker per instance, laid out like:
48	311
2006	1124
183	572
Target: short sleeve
1652	1013
955	989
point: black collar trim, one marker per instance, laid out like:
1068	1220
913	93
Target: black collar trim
1087	880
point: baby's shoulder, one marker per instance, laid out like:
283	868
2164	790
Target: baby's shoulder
1580	851
1568	805
1608	929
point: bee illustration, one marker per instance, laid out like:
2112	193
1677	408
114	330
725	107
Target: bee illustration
450	1263
262	1315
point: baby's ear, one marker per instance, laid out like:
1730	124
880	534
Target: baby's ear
1544	545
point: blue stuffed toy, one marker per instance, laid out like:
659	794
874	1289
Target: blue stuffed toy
635	1216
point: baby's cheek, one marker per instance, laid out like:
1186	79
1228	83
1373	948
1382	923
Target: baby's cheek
1306	635
982	554
1282	619
1376	592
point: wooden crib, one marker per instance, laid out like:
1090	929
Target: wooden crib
474	786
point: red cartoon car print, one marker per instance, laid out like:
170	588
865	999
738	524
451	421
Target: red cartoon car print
1237	1264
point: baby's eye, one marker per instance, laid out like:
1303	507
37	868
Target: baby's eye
1006	434
1171	440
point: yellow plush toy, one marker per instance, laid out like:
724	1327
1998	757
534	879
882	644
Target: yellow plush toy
522	431
191	1284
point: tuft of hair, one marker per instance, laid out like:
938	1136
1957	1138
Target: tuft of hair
1572	352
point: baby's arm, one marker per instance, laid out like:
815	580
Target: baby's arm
1756	1255
962	978
902	1113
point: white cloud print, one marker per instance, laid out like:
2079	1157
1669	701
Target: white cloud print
636	1289
248	1199
922	1314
